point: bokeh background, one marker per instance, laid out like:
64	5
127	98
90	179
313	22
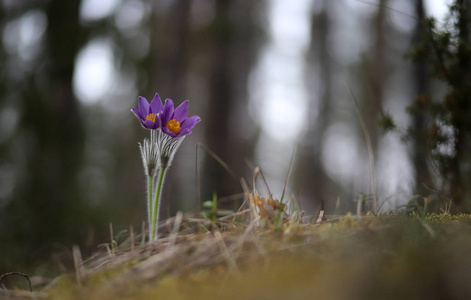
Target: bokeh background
268	78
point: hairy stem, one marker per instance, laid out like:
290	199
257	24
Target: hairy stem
155	215
149	201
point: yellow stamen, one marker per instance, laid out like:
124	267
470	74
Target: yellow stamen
151	117
173	126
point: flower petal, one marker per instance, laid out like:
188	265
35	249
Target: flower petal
149	124
156	124
165	130
167	112
187	125
190	122
181	112
144	106
136	112
156	104
183	132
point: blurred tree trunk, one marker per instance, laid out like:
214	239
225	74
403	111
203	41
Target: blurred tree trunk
221	55
4	155
229	132
421	84
311	176
458	101
217	131
168	73
170	51
376	74
47	206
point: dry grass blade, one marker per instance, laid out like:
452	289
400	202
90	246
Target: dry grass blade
197	181
219	160
176	226
248	260
226	253
320	217
78	264
258	172
112	242
288	175
131	230
366	133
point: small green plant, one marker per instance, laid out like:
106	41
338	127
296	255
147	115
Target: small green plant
114	241
212	212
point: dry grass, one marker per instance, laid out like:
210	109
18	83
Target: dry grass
245	257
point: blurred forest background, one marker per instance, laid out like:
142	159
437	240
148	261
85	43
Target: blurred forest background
267	78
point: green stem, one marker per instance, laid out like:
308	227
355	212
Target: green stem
149	201
155	215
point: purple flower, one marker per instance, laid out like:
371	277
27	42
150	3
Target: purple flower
175	122
147	113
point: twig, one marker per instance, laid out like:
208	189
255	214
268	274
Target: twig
19	274
436	192
388	8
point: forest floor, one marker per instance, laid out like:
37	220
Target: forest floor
389	256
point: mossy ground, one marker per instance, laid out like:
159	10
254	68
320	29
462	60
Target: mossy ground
372	257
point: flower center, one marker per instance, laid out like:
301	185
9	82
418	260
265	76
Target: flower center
151	117
173	126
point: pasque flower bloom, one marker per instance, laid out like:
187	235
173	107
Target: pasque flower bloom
175	122
158	152
147	113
